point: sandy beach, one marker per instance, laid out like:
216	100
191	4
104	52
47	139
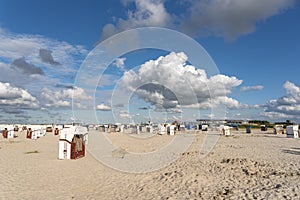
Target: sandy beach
260	165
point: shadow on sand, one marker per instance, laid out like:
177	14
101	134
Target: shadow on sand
294	152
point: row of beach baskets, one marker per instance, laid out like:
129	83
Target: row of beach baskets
72	139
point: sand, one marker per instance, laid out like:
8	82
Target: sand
260	165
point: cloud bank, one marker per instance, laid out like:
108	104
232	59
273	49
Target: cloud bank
16	98
231	18
228	19
31	62
62	98
287	107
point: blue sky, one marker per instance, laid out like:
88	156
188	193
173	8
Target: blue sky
255	46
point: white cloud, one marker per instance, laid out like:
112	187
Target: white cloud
124	114
176	110
228	102
287	106
231	18
16	97
278	116
120	63
75	93
103	107
61	98
254	87
147	13
58	103
169	82
292	90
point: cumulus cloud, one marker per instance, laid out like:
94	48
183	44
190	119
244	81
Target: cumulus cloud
26	67
231	18
61	98
169	82
103	107
7	94
158	95
46	57
75	93
120	63
13	97
287	106
250	88
147	13
228	19
229	102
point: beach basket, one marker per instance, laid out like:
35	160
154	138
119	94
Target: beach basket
248	129
5	133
